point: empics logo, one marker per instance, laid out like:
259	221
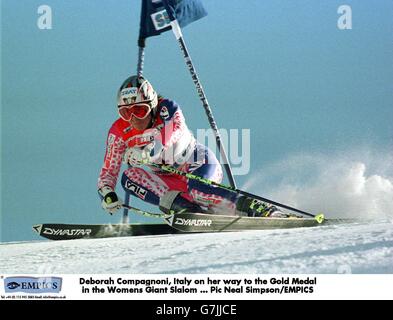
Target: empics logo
13	285
32	285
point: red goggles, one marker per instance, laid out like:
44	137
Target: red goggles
138	110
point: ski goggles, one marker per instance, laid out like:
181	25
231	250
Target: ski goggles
137	110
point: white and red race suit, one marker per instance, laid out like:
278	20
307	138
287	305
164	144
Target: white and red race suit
180	149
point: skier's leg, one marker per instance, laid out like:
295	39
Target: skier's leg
205	165
220	200
158	189
144	185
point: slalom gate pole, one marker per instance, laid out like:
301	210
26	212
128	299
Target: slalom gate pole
179	37
141	55
170	169
141	60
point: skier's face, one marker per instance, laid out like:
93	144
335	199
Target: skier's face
141	124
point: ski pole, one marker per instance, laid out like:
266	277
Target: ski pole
169	169
142	212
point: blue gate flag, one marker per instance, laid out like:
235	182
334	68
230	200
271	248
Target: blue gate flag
155	19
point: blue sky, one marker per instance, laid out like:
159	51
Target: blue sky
279	68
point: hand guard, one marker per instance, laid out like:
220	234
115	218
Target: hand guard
135	156
111	203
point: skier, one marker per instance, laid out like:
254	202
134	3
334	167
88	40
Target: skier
152	129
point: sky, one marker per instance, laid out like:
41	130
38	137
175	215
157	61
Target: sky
318	101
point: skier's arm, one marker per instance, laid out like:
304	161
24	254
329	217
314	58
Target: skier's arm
107	180
115	149
175	125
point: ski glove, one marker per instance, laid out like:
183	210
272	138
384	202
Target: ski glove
137	156
110	201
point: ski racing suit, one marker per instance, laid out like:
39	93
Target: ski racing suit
179	149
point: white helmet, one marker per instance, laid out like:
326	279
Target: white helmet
136	89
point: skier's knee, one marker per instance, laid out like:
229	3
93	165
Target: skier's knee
135	189
172	202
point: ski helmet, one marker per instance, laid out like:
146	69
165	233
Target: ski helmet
137	90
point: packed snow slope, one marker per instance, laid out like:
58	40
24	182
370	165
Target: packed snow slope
351	248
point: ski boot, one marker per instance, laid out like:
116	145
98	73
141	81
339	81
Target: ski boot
256	208
172	202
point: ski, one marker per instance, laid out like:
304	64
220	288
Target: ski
198	222
177	224
56	231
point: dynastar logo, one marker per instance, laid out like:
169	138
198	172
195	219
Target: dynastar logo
32	285
67	232
193	222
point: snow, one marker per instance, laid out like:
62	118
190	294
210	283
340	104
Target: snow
351	248
351	184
